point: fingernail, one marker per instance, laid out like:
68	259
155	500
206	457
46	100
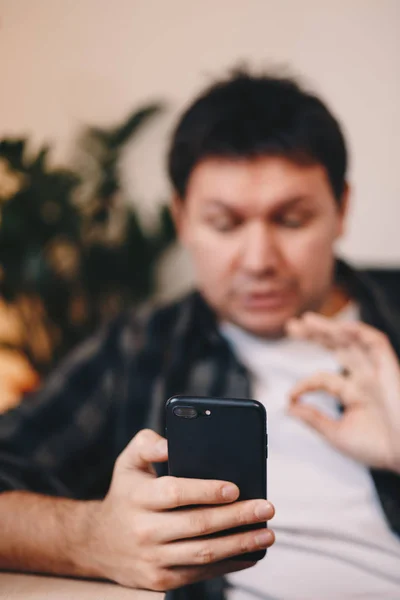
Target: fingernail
263	511
264	538
229	492
161	448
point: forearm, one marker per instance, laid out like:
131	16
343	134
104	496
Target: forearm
44	534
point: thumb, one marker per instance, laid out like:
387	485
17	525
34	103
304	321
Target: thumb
145	448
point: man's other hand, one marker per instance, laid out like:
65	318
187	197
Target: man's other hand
369	390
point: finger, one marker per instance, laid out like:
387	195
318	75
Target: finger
327	332
180	576
321	423
145	448
168	492
333	334
206	521
335	385
324	330
212	550
373	341
354	360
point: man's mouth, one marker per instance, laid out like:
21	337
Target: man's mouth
266	300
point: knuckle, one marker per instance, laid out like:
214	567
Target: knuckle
158	580
246	543
154	556
171	491
199	524
143	436
119	462
245	514
144	439
176	580
143	530
375	338
205	555
382	338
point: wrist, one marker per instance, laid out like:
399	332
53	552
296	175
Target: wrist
81	539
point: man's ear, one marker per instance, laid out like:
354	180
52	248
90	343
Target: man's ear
177	213
343	210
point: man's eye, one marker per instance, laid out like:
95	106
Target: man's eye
292	222
223	225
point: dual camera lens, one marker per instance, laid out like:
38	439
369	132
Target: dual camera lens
188	412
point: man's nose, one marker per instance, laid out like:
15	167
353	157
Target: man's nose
260	251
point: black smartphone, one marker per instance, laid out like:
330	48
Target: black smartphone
220	438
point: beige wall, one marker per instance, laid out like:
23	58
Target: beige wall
68	62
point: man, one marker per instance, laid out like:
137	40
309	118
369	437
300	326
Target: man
258	167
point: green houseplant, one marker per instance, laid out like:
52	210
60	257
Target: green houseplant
73	251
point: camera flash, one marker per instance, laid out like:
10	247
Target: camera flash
208	413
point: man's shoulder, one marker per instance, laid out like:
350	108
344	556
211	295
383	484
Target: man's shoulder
126	335
378	302
158	314
136	326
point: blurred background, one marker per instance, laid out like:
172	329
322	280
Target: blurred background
89	93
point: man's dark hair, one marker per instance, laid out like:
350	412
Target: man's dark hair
247	116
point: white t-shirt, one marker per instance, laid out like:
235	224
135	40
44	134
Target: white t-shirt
332	540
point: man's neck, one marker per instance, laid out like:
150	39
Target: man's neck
335	302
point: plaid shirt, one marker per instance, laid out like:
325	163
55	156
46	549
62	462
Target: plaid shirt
64	439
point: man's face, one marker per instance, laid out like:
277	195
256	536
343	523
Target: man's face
260	234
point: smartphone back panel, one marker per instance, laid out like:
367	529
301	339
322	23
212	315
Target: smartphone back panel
226	440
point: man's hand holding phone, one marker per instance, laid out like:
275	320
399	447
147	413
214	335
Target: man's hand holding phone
135	537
